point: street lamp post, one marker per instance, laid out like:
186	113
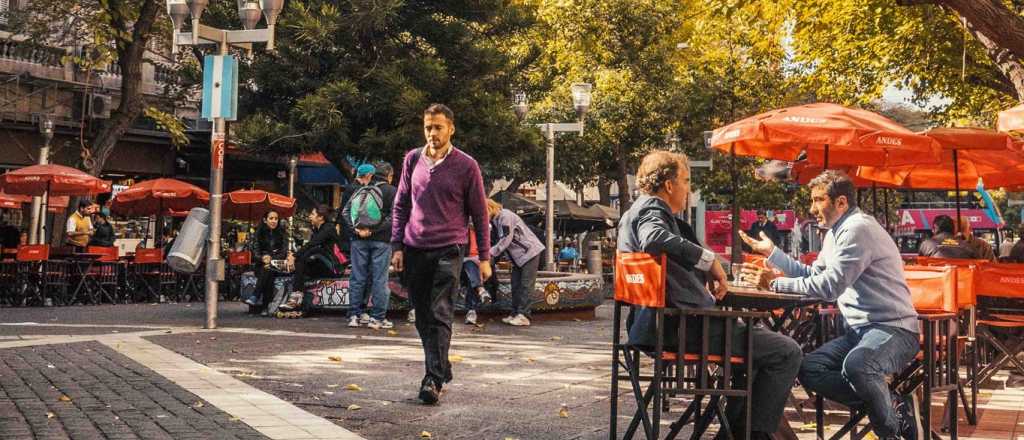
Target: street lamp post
37	231
581	94
249	13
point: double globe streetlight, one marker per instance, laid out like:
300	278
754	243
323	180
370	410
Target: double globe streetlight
581	94
249	12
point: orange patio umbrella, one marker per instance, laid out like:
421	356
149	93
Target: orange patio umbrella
252	204
158	197
968	154
13	201
830	133
53	179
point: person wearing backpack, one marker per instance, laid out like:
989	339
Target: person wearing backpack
367	220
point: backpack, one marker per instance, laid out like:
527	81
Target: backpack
366	207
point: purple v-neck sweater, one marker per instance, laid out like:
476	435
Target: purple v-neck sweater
433	205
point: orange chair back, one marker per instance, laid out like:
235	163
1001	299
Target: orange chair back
640	279
149	256
809	257
239	258
932	288
109	253
966	277
1001	279
34	252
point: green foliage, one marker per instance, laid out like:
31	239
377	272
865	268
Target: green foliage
352	79
169	123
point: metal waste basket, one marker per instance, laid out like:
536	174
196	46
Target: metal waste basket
187	252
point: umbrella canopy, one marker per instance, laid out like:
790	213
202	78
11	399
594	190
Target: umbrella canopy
831	134
158	197
518	204
252	204
13	201
1011	120
56	179
968	154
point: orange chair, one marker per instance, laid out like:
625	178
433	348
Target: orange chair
151	278
44	281
640	285
936	367
102	279
1000	291
238	263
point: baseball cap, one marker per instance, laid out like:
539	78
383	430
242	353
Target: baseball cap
365	169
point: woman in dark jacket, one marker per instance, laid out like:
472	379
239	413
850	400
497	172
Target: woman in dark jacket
270	244
316	258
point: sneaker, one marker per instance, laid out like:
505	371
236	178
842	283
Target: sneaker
429	394
353	322
373	324
294	301
364	318
507	319
412	316
471	317
909	417
485	296
252	301
519	321
385	324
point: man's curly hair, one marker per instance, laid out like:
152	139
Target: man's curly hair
658	167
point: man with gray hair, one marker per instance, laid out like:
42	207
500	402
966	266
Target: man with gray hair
859	267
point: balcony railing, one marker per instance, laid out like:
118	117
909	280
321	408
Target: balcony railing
30	53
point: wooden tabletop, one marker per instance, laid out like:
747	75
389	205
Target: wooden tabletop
754	298
754	292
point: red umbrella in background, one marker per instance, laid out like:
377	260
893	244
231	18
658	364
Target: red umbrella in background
53	179
13	201
252	204
158	197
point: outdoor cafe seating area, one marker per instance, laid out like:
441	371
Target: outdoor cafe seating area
963	306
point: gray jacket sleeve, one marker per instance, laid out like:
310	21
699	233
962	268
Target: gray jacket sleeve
504	220
656	237
851	258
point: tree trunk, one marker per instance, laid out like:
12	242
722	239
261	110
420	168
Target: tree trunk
1008	63
623	180
604	189
993	19
133	101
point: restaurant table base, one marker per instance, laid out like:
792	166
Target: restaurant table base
43	283
8	283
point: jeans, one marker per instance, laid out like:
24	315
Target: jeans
432	276
851	370
369	264
471	279
523	280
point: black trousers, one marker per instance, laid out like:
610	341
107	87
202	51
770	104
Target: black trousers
265	284
314	265
432	277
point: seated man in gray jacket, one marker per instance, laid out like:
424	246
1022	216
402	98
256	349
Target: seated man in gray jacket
859	267
650	226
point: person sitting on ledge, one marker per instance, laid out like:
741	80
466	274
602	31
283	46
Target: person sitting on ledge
316	258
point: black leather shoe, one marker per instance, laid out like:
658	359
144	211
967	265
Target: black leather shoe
429	394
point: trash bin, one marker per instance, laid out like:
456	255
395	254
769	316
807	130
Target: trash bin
594	258
187	252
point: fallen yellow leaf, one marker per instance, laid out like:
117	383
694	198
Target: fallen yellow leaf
333	385
556	338
353	387
64	398
530	360
454	358
354	407
50	415
563	412
392	333
425	434
334	358
198	405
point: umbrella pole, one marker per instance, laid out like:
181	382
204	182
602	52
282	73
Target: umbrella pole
737	250
44	203
874	198
885	207
956	184
825	165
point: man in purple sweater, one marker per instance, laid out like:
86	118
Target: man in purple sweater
440	190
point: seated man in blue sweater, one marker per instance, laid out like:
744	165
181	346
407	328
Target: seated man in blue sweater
859	268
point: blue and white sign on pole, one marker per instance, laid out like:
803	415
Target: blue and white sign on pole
220	87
